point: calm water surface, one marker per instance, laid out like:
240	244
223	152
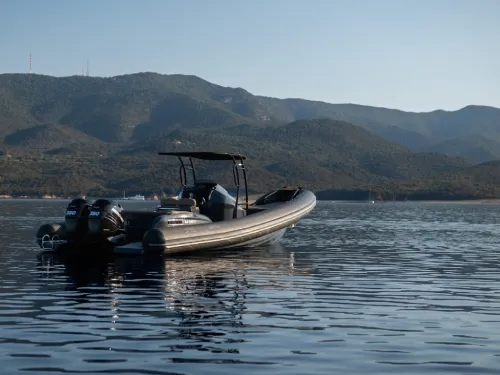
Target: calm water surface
353	289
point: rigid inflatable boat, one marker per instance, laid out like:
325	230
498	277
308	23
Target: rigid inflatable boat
203	216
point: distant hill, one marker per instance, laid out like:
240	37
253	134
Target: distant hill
100	135
46	137
480	181
487	173
318	154
121	108
474	147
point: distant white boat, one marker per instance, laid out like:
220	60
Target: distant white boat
136	197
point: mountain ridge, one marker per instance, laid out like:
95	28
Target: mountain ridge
151	101
98	134
241	88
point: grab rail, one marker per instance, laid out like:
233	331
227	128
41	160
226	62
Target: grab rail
46	239
48	242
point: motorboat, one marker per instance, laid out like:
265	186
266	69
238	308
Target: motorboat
136	197
202	216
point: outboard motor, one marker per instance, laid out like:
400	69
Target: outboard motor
75	219
105	219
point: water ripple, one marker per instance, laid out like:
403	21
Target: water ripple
354	288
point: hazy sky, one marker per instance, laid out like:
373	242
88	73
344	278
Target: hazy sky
408	54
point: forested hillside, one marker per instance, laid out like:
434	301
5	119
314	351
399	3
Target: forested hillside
87	135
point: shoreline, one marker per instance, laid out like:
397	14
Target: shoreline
254	197
463	201
251	198
437	201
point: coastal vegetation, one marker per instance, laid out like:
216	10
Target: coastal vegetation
100	136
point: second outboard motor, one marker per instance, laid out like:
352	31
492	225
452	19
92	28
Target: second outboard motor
105	219
75	219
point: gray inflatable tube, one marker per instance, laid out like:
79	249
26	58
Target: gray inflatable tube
272	218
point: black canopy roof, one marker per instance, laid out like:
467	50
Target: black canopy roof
205	155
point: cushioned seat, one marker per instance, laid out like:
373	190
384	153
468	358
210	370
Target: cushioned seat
178	202
179	205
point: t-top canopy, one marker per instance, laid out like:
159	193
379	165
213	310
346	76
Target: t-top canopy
206	155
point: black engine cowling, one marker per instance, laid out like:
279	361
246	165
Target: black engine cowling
76	219
105	219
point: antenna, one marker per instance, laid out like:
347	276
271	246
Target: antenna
30	62
88	71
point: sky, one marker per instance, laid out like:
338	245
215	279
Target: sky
413	55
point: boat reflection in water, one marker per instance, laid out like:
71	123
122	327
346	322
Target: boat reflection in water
180	297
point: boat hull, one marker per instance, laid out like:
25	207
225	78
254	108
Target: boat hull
136	248
160	232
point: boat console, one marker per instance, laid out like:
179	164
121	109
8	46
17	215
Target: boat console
212	200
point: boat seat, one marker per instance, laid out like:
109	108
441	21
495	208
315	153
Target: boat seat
184	204
178	202
200	192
